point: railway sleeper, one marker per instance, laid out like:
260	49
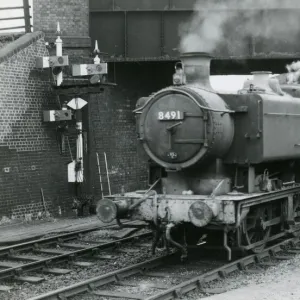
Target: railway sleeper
214	291
30	279
10	264
118	295
56	271
83	264
156	285
25	257
5	288
52	251
284	257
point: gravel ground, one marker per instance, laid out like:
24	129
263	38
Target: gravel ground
280	282
276	283
22	291
176	273
105	234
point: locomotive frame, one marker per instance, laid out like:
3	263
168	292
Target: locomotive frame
235	209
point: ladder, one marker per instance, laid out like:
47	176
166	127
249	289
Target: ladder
100	176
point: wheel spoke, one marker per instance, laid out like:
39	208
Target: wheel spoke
253	231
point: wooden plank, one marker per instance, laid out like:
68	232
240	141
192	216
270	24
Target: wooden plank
52	251
98	241
56	271
254	271
104	257
165	274
30	279
155	274
267	264
10	264
286	257
5	288
214	291
74	246
118	295
120	234
129	250
82	263
295	248
148	245
26	257
157	285
293	251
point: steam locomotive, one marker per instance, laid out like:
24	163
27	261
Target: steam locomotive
221	165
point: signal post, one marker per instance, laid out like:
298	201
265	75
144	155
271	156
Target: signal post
93	77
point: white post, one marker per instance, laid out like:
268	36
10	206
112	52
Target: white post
75	168
58	42
96	50
79	152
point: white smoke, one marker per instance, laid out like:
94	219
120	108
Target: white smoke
294	66
216	22
294	72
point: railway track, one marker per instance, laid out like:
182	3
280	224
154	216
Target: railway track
43	255
126	283
65	237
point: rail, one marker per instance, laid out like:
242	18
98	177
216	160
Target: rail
38	263
92	285
26	8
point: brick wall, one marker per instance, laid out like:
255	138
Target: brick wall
29	157
112	127
112	130
73	16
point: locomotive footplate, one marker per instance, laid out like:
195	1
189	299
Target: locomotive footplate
253	219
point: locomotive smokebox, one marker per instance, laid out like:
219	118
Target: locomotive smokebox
184	125
196	66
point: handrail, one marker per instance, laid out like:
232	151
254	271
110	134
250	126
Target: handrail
26	8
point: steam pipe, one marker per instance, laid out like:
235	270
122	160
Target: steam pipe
181	91
144	198
169	239
225	244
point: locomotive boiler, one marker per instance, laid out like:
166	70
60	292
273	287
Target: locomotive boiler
222	166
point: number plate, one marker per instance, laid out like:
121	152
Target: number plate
170	115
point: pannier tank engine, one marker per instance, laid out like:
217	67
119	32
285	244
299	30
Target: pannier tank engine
223	168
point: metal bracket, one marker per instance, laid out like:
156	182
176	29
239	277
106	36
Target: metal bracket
241	109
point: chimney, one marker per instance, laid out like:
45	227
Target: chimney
196	66
261	80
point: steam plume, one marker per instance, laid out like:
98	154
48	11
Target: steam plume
294	66
216	22
294	72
